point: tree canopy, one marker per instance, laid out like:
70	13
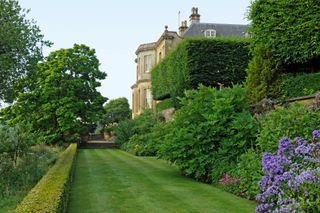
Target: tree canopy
64	103
116	110
21	45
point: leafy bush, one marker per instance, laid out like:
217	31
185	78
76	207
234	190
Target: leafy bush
248	172
211	62
123	131
14	141
209	133
50	194
165	104
292	177
149	143
137	135
20	176
292	86
297	120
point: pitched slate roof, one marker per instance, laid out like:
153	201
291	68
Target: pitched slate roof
225	30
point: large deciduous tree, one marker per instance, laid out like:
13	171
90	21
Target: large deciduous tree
21	45
64	103
116	110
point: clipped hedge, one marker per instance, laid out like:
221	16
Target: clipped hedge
165	104
51	192
211	62
292	86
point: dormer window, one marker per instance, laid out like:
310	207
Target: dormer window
210	33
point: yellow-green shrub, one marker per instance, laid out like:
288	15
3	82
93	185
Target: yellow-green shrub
50	194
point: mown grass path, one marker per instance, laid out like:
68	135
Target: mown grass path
115	181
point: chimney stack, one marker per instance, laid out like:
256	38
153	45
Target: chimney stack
195	16
183	27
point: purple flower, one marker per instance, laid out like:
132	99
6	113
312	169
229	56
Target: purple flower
291	175
272	164
315	134
284	146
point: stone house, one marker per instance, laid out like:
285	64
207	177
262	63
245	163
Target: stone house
150	54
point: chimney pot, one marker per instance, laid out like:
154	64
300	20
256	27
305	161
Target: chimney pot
183	27
195	16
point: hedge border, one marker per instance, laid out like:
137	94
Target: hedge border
165	104
211	62
51	192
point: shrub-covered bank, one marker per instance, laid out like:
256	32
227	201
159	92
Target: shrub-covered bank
214	138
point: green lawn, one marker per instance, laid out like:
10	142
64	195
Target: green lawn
115	181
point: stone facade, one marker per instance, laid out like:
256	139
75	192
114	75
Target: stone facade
150	54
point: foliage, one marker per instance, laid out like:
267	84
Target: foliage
20	166
292	177
21	45
289	29
64	102
51	193
21	163
139	136
248	172
148	144
293	86
209	133
14	141
297	120
123	131
260	74
165	104
116	110
211	62
285	38
20	176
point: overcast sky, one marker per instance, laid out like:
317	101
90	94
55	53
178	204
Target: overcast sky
116	28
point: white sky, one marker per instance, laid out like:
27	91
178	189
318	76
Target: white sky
116	28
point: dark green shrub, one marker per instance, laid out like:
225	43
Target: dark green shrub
211	62
289	29
293	86
123	131
51	193
297	120
209	133
260	74
285	40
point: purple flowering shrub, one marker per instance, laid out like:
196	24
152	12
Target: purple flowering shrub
292	177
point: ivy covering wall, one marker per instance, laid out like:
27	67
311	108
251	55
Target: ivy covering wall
211	62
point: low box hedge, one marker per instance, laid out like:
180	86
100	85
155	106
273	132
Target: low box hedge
51	192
